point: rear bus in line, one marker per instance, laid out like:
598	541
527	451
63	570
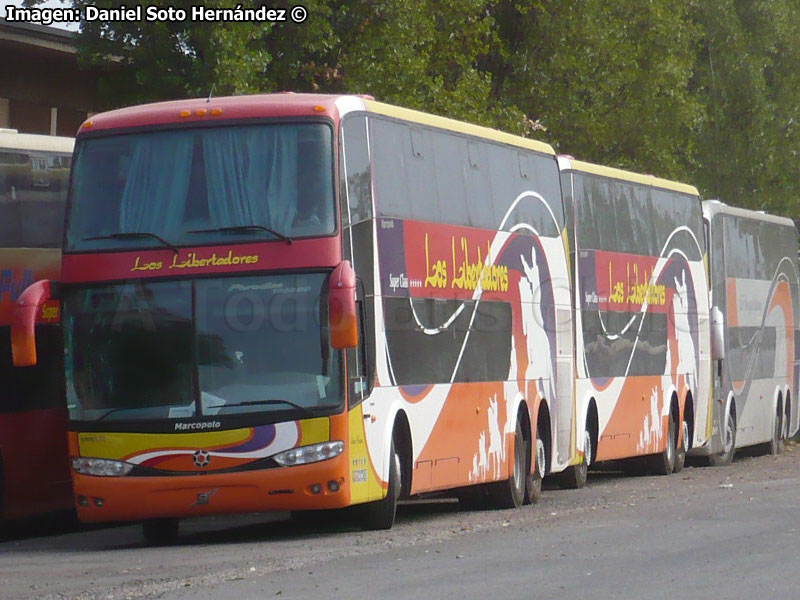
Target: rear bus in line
293	302
755	329
34	473
641	315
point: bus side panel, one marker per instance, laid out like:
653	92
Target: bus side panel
641	312
760	292
463	362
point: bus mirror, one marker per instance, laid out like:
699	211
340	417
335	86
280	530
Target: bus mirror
717	334
23	323
342	307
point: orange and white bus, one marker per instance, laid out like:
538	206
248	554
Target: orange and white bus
641	314
291	302
34	473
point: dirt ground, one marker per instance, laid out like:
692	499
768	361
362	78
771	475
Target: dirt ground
53	559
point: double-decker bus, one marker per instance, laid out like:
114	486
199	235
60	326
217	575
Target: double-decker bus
34	473
292	302
755	328
641	314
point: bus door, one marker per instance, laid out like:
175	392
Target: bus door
718	306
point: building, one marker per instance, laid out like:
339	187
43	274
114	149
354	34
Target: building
42	90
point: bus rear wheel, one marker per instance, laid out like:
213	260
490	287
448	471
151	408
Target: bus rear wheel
160	532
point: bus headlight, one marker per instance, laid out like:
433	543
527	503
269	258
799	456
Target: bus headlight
309	454
101	467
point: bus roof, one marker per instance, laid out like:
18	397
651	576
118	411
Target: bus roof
422	118
11	140
715	207
570	164
286	104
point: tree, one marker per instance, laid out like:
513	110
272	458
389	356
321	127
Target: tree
748	74
609	81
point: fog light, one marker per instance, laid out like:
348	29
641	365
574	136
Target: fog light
333	485
316	488
83	501
99	502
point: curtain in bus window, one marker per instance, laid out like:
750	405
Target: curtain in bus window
251	176
157	181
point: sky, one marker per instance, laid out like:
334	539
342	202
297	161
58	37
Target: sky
48	4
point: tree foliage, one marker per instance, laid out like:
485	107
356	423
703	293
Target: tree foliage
705	92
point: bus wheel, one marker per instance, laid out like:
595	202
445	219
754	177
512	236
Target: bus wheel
380	514
574	477
776	443
160	532
729	443
534	482
680	455
511	492
664	462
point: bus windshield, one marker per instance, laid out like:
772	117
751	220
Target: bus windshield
199	186
33	187
211	347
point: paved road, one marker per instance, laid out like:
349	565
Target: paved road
731	532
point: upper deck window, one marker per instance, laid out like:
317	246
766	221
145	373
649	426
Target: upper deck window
180	184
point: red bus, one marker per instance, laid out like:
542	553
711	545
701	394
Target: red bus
292	302
34	473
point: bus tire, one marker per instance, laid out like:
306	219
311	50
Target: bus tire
664	462
729	442
680	455
160	532
574	477
381	513
776	443
511	492
534	483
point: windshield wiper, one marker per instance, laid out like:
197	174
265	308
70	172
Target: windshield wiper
303	409
111	412
132	235
244	229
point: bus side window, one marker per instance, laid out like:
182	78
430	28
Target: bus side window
356	171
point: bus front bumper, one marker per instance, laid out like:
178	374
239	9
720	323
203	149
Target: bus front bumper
322	485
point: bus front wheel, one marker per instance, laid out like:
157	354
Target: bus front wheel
574	477
663	463
381	513
728	442
776	443
511	492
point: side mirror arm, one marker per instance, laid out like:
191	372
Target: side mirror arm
23	323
